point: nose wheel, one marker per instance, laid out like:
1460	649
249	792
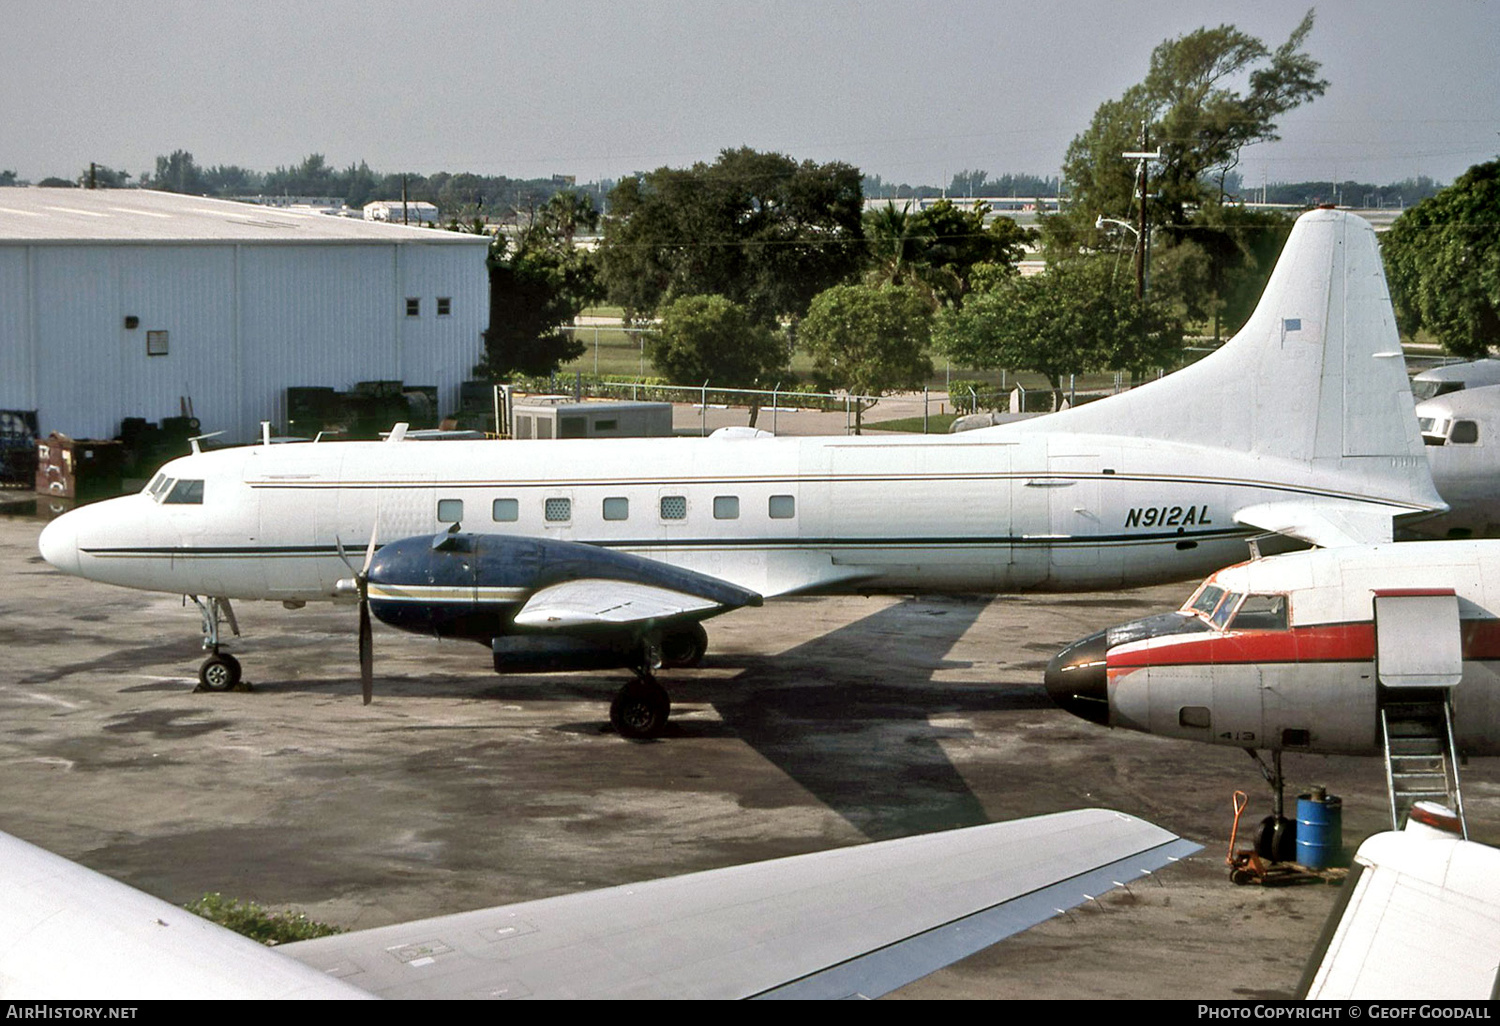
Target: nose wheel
220	671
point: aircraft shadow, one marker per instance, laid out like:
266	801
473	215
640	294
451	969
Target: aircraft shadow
856	717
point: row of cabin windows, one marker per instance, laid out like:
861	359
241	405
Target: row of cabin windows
671	507
414	306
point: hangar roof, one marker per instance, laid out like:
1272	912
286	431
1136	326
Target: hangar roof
141	216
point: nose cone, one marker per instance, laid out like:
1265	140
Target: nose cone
59	544
1076	678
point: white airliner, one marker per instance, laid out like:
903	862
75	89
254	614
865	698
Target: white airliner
1462	432
1387	650
587	554
851	922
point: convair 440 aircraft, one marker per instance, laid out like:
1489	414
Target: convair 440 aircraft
1355	650
566	555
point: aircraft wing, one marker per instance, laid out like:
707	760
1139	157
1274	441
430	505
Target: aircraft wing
1419	920
68	933
1326	524
608	603
856	921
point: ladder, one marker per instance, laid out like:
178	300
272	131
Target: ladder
1421	760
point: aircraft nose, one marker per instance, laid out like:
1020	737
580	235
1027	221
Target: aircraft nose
1076	678
59	544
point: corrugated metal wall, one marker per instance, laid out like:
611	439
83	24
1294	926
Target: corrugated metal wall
243	322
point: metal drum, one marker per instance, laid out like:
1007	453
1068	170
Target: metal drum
1320	828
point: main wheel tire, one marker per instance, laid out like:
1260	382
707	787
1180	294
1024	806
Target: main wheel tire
640	710
219	672
1276	840
684	647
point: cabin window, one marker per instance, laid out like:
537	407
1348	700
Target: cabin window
617	508
572	427
1196	716
606	425
185	493
1261	613
523	427
445	306
674	507
558	511
413	306
543	427
726	507
505	511
782	507
1465	432
450	511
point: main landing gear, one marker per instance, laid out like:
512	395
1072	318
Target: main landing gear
220	671
1276	839
641	708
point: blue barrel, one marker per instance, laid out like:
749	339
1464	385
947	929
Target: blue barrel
1320	828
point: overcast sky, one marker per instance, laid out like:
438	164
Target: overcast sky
911	91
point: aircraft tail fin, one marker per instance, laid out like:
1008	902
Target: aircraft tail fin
1315	377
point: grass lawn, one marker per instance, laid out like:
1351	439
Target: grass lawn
937	424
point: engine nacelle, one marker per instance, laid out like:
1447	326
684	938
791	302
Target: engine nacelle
539	653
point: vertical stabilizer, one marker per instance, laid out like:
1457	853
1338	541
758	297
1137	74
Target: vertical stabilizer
1315	377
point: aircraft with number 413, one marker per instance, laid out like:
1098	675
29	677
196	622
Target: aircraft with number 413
590	554
1353	650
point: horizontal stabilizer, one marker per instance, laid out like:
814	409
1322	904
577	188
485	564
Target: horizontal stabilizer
1326	524
853	921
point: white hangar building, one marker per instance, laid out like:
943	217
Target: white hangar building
120	303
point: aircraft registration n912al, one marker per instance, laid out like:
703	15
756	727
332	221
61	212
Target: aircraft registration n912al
588	554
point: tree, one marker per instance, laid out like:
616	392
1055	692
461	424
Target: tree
7	178
1079	315
178	173
869	339
758	228
1443	260
935	250
712	339
537	289
98	176
1192	111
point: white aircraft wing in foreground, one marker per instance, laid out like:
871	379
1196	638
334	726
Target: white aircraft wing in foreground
1419	920
857	921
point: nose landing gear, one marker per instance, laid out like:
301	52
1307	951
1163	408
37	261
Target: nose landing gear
220	671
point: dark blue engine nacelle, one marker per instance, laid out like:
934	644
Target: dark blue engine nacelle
471	586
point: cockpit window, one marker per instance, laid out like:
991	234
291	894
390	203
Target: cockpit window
157	486
1226	609
185	493
1207	598
1261	613
1465	432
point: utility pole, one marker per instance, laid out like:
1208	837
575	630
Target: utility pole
1141	252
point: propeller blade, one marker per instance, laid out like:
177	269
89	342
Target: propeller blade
339	543
369	555
366	653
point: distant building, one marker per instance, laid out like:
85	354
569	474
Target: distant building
118	304
396	212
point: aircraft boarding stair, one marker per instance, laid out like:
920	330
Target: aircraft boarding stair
1421	761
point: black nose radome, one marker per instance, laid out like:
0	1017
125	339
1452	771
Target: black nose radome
1076	678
